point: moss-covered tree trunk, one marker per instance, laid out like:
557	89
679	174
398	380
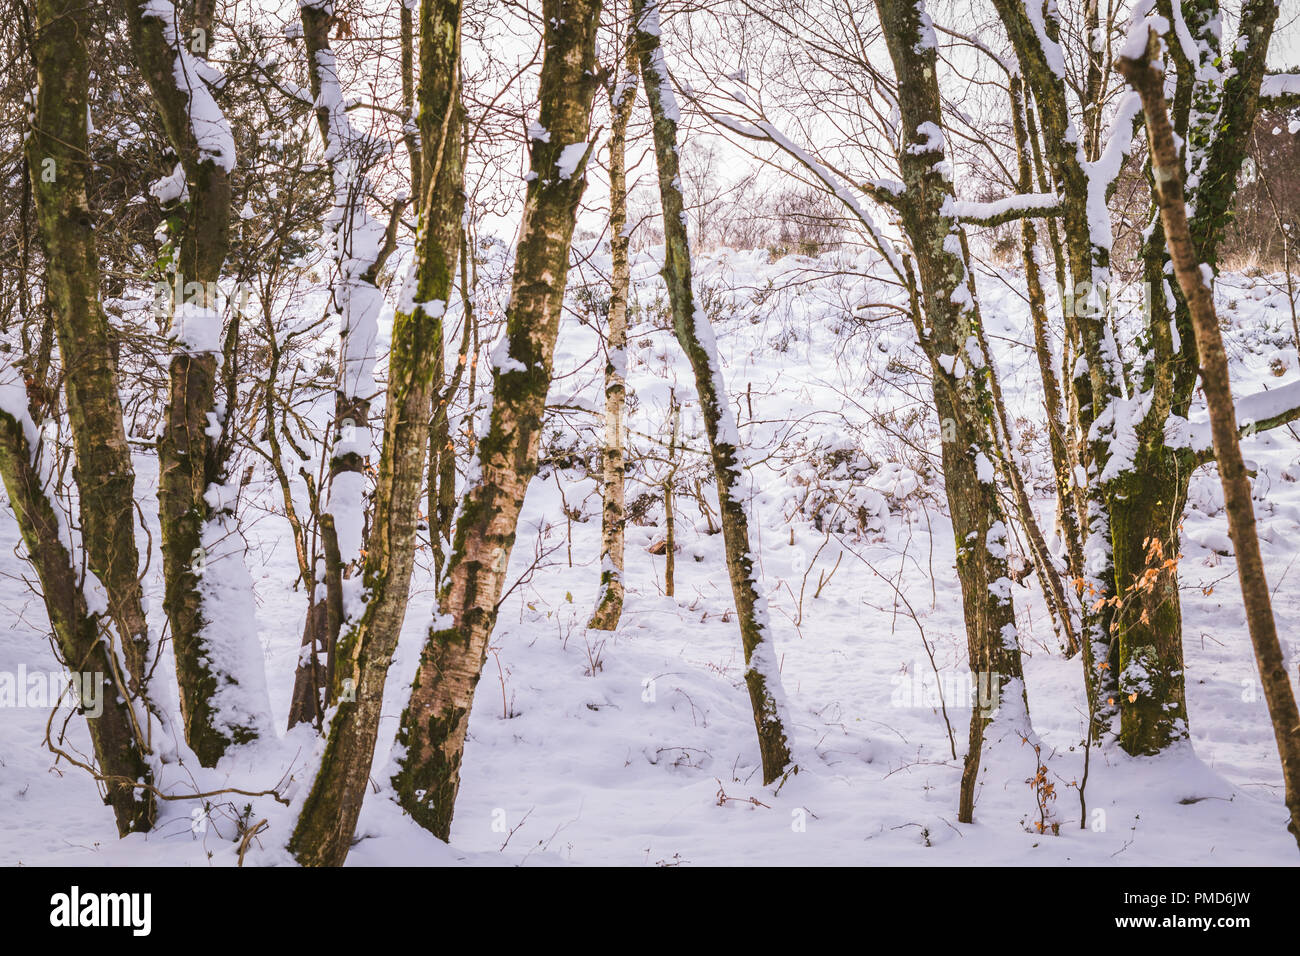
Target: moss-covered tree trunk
116	733
609	602
431	737
950	333
58	158
365	650
197	527
1213	110
694	332
1194	279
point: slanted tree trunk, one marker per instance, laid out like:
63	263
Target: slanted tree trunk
431	735
1054	407
950	333
762	674
1194	280
210	634
116	734
609	604
58	158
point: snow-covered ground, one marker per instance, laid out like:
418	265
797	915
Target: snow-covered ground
637	747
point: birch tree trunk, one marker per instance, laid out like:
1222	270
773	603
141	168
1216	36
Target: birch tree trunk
1194	279
762	673
609	603
208	594
365	651
431	736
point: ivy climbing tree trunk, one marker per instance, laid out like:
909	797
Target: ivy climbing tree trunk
431	736
762	673
1214	107
207	590
1194	278
1137	475
609	603
949	329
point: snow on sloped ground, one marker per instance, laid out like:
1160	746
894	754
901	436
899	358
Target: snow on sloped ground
637	747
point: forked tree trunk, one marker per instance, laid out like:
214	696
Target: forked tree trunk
762	673
950	333
1193	279
365	650
1133	656
116	734
609	603
431	736
210	635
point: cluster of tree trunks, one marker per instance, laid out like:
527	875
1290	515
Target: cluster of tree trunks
365	649
433	725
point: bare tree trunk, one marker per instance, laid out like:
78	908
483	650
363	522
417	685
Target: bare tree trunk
609	605
1058	441
442	449
410	132
329	816
1193	279
950	332
58	151
762	673
116	735
198	536
432	731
